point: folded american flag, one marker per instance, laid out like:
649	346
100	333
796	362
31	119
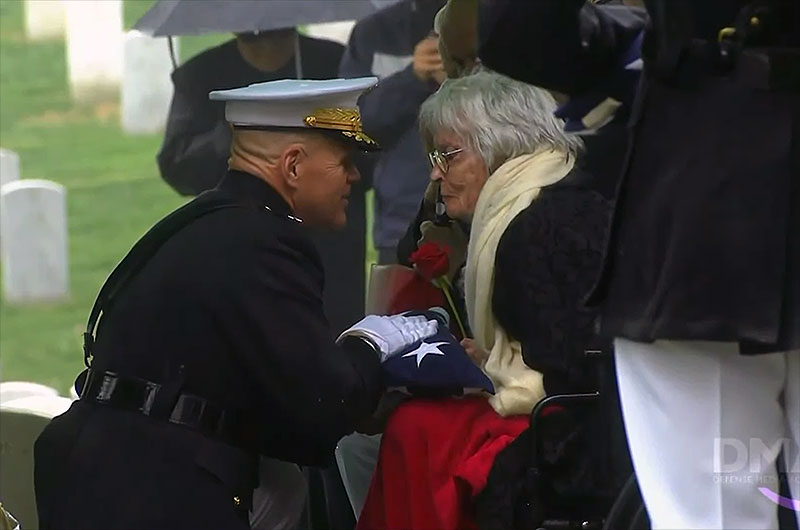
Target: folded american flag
436	366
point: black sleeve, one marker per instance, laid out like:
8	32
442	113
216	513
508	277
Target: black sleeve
314	391
194	155
546	262
563	45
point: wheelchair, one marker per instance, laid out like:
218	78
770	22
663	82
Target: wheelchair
571	469
627	512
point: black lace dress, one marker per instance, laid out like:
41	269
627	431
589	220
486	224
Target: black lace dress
546	263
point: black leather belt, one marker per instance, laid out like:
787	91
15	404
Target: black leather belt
146	397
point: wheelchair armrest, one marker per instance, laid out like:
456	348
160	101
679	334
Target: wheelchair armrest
559	400
566	400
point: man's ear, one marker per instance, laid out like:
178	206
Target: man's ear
292	157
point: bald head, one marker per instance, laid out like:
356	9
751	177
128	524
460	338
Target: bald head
312	172
254	147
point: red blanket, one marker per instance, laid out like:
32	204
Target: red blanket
434	459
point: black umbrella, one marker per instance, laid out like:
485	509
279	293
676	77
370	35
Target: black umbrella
196	17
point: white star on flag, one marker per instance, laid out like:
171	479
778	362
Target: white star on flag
425	349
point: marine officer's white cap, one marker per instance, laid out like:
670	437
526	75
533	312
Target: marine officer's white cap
328	105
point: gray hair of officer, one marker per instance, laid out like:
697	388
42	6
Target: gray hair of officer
497	117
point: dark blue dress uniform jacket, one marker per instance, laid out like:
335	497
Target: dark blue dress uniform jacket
235	298
705	242
196	147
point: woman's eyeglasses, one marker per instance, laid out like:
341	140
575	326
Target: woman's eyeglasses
442	160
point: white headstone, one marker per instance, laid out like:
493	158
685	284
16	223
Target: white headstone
146	83
23	421
11	390
33	233
94	49
9	166
44	19
335	31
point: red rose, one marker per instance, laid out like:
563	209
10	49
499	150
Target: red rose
431	260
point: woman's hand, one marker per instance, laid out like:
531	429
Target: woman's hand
451	237
475	352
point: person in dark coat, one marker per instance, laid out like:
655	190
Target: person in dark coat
217	349
703	267
536	235
194	153
395	44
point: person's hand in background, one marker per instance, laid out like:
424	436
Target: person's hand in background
427	61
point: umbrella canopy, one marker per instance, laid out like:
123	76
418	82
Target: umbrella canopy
196	17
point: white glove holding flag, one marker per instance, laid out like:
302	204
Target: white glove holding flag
393	334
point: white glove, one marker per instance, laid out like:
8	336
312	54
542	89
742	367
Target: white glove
393	334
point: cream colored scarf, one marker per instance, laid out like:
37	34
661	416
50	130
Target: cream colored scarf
507	192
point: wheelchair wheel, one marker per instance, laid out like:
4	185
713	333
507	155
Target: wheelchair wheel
628	511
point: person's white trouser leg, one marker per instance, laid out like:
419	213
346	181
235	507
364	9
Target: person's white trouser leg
357	456
705	425
280	497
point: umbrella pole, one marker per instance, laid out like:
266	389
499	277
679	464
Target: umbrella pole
298	61
171	45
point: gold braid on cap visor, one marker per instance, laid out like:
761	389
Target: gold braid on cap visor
346	121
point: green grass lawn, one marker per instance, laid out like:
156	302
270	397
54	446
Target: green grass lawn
114	191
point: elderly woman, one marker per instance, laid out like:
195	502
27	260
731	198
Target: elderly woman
507	170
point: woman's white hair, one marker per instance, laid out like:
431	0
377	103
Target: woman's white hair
496	116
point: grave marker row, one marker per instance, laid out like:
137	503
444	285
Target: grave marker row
103	63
